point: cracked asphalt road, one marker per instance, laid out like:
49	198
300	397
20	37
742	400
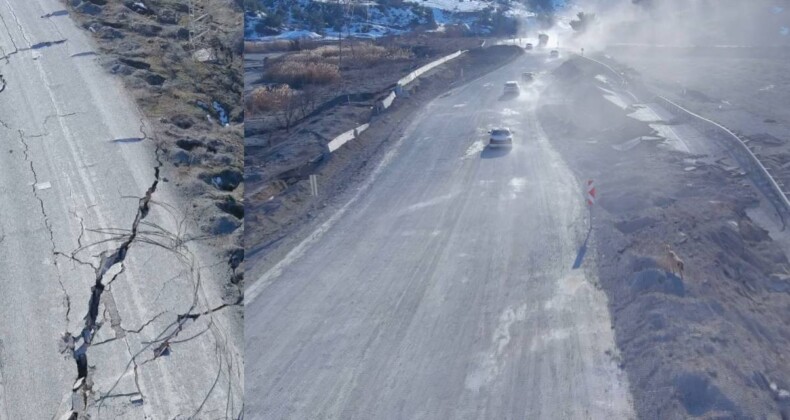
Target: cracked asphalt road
444	289
110	307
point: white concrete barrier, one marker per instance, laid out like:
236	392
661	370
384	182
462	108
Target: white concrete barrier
341	140
422	70
344	138
387	102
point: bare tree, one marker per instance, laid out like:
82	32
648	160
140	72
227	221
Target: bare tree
307	100
289	108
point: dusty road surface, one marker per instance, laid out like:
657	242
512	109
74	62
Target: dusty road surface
106	304
444	288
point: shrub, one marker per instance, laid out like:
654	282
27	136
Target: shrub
297	73
268	46
268	99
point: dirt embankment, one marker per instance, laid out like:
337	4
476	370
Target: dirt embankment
185	74
280	208
712	344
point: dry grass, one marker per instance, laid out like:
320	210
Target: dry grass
252	47
321	65
296	73
357	54
268	99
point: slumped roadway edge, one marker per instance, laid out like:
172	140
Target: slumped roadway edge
108	308
446	289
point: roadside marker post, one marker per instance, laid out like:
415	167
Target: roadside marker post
590	192
314	185
590	195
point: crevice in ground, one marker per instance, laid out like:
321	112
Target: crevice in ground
80	343
167	339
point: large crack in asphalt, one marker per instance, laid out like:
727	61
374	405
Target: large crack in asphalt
80	343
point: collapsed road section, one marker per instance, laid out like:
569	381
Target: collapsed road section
93	225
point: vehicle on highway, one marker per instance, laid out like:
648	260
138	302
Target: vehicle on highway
554	53
512	88
500	137
528	76
529	46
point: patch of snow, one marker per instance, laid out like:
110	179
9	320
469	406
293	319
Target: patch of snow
614	98
475	149
454	5
645	114
673	141
293	35
223	115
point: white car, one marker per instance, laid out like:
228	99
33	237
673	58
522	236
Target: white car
500	137
512	88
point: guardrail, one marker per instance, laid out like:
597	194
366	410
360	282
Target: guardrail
742	153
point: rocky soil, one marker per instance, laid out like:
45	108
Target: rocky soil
183	66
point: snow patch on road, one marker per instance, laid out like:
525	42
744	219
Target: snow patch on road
645	114
428	203
546	339
673	141
614	98
490	364
475	149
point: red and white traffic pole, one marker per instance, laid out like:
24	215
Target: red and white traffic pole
590	196
590	192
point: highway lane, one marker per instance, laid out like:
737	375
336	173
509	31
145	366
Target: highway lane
76	161
445	289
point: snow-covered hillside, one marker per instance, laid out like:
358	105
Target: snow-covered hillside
292	19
